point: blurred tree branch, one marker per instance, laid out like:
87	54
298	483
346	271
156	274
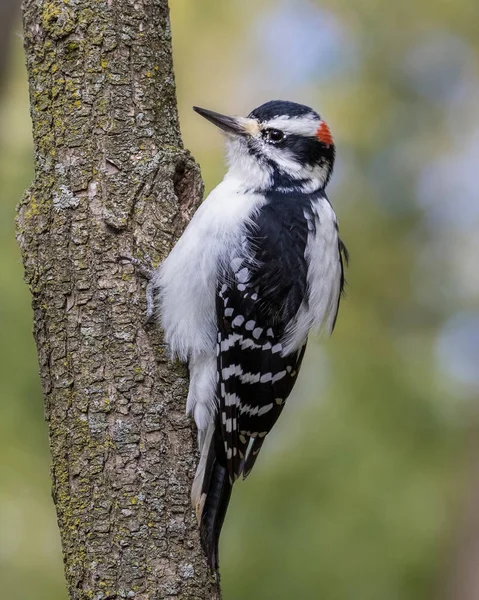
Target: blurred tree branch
9	10
111	178
463	577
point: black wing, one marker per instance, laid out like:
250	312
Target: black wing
258	295
343	258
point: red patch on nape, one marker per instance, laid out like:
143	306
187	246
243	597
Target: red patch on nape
324	134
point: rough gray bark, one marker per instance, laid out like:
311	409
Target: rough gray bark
111	178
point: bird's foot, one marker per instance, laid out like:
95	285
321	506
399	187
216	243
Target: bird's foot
145	269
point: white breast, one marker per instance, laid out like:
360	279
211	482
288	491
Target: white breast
186	281
324	279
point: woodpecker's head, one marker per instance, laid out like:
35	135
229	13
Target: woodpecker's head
279	144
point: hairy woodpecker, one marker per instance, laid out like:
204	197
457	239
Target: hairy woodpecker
259	266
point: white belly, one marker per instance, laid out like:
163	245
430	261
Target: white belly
186	281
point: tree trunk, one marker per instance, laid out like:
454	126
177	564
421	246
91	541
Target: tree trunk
112	179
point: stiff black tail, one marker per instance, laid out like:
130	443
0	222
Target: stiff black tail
212	502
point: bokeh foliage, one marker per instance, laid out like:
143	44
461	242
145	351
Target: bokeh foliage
357	493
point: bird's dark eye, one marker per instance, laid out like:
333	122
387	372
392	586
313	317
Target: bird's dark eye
273	135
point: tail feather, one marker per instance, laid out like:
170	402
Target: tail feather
203	471
252	455
211	494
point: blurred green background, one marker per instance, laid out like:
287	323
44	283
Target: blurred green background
359	491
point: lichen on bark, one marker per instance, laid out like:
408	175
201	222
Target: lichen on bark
111	178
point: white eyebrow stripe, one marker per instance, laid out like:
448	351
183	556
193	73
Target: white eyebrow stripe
304	125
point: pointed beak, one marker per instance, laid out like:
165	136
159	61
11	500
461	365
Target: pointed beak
232	125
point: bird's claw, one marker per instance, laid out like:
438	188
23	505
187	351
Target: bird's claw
144	267
150	302
146	270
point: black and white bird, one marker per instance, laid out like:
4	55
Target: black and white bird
259	266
